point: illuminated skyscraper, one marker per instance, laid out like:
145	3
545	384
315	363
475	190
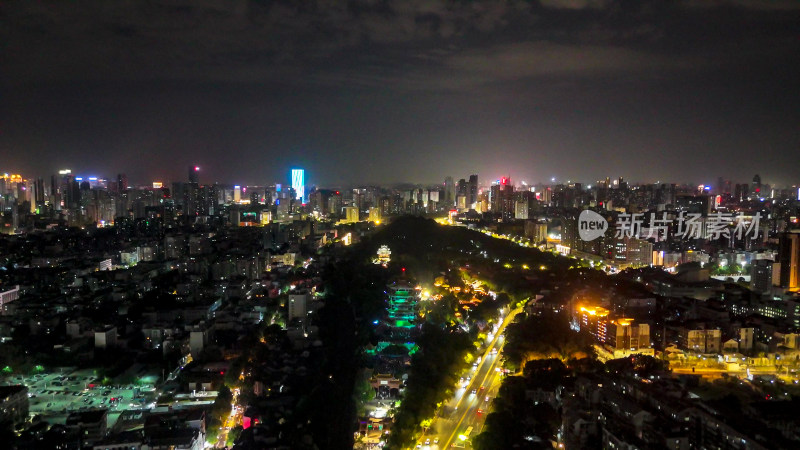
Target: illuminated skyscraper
298	184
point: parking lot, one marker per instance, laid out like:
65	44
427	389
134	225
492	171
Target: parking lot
56	394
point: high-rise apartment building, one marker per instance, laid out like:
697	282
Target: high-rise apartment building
472	190
594	320
122	182
335	203
449	192
521	210
502	199
351	214
375	214
763	275
462	188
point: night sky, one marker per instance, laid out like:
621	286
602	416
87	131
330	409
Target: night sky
387	91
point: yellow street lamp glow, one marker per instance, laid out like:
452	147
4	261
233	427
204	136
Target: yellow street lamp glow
462	437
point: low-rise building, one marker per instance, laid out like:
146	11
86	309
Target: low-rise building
7	295
13	404
90	426
701	340
105	337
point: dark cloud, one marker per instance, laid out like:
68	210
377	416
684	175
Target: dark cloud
231	39
250	86
575	4
242	40
765	5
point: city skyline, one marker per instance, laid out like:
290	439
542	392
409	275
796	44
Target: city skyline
287	180
392	92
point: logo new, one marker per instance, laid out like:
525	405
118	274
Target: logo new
591	225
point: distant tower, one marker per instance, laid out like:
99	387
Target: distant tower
757	185
194	173
122	182
473	190
39	192
449	191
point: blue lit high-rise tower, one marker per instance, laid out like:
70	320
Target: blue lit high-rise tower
298	184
